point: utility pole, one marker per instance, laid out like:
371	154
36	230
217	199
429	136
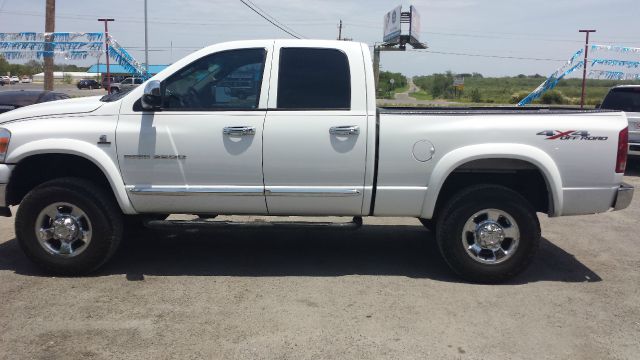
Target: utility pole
106	46
584	66
146	41
377	48
340	30
49	27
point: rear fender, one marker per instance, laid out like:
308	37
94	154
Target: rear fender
456	158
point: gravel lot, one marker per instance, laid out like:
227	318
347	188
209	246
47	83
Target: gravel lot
380	292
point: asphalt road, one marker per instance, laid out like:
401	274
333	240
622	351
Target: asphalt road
379	292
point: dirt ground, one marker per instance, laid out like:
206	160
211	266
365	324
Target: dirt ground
379	292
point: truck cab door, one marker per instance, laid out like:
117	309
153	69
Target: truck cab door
201	152
315	136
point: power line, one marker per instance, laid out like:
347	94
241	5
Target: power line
274	19
89	18
487	56
269	19
514	37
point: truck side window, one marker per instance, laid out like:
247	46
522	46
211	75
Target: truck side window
311	78
225	80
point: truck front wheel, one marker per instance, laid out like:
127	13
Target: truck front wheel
68	226
488	233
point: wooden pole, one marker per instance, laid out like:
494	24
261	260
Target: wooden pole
584	66
49	27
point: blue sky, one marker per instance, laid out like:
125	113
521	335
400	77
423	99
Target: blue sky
543	29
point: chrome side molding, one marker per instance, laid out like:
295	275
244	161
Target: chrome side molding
240	191
194	191
320	192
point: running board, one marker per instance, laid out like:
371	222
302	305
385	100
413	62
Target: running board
215	225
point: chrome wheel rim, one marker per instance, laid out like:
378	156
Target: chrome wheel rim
490	236
63	229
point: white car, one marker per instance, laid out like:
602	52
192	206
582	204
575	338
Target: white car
291	127
26	80
14	80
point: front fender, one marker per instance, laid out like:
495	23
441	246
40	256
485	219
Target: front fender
79	148
454	159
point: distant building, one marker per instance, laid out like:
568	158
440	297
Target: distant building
116	69
59	76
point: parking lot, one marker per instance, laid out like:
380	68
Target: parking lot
69	89
380	292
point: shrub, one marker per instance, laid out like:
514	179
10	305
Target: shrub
517	97
476	96
553	97
67	79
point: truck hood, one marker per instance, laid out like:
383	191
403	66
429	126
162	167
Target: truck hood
52	108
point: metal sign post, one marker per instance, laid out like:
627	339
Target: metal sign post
392	37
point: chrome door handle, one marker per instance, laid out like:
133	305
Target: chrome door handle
239	130
345	130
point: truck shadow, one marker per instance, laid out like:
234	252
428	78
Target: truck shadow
633	167
376	250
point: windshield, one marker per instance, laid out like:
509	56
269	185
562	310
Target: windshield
115	96
623	99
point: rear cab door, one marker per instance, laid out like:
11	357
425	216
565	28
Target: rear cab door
315	133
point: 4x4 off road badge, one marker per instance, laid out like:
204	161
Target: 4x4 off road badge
570	135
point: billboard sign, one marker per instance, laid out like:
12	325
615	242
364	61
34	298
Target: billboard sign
392	25
414	26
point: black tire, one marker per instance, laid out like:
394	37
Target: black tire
461	207
430	224
101	210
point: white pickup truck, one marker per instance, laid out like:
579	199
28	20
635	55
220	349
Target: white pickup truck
291	127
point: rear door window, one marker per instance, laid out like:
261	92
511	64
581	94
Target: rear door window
311	78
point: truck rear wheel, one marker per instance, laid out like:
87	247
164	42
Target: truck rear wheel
69	226
488	233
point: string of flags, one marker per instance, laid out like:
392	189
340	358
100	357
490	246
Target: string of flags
576	62
122	57
51	36
54	45
69	55
68	45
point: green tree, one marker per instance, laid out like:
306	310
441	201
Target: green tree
386	87
441	85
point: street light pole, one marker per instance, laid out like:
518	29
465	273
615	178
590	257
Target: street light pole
584	66
146	41
106	46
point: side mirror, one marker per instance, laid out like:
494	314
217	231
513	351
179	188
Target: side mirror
152	97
